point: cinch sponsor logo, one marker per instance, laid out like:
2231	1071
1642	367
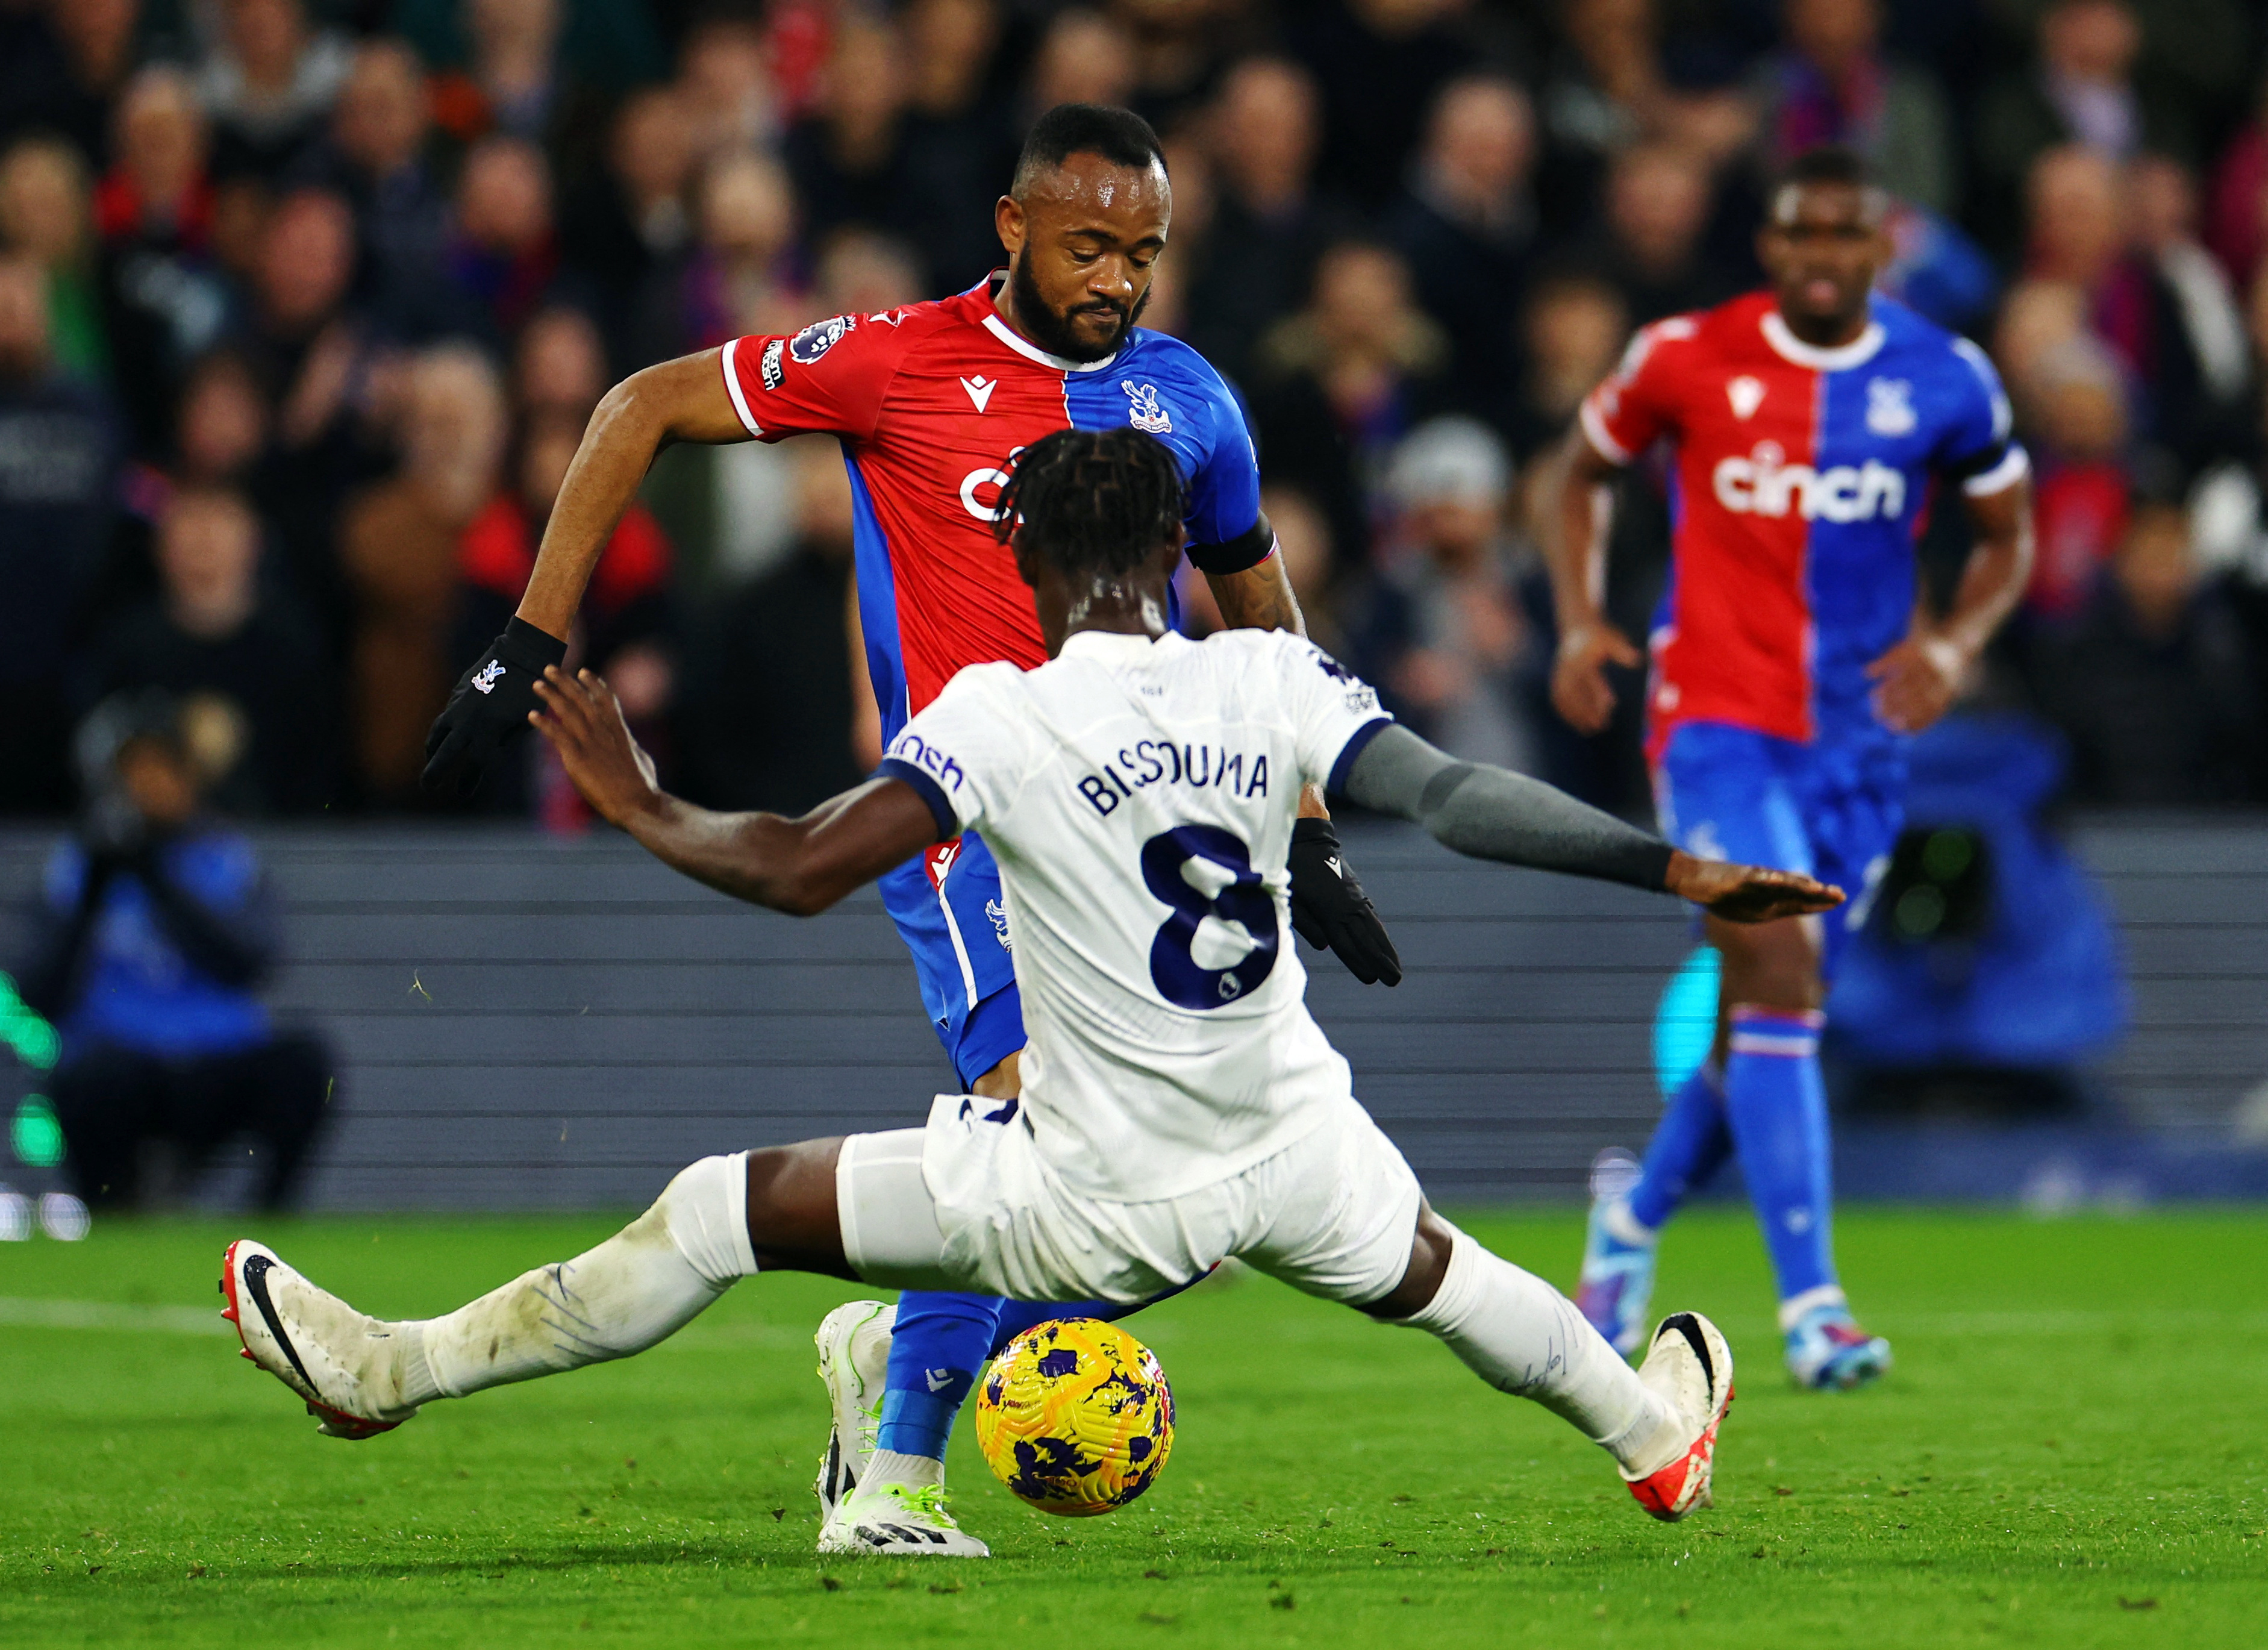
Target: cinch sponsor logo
1763	485
913	748
1152	762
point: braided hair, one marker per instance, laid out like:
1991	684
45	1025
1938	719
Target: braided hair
1092	502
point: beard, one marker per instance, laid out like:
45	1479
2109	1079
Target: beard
1051	329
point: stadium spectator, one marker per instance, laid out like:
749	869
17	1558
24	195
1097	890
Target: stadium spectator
1303	539
153	929
268	83
2082	91
2237	220
1573	327
504	257
514	82
624	230
1653	247
245	654
731	105
58	455
45	214
738	277
2082	494
851	161
166	302
1467	226
959	145
62	69
398	545
2205	359
1270	222
1379	65
1084	56
1832	83
1336	385
2152	683
1440	628
380	156
559	369
1607	89
757	731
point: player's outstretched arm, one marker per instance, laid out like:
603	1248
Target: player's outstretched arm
797	866
1492	814
684	400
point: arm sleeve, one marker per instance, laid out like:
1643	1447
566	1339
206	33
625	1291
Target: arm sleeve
965	754
1334	712
1227	532
1490	813
828	380
1636	403
1977	449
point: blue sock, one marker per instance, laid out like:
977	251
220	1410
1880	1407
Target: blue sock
1016	1316
1690	1144
940	1343
1777	1107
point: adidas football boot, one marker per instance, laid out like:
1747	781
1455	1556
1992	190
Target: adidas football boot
341	1363
851	1367
1827	1351
1691	1366
898	1520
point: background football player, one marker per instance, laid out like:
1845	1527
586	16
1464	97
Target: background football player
1790	660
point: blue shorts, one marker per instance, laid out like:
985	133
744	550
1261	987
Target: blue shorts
1831	809
949	908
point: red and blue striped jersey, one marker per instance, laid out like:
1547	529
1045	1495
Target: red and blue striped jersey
1800	481
930	402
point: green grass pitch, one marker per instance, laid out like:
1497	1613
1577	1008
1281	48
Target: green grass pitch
2072	1451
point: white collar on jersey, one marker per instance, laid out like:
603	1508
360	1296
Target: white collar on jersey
1842	358
1023	346
1108	644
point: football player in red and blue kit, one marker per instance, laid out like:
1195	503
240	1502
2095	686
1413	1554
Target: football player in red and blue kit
930	402
1809	428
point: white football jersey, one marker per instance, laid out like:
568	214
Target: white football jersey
1139	797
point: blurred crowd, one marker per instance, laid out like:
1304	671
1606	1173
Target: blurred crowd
303	305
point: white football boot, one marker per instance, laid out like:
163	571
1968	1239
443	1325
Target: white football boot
854	1355
1691	1365
343	1364
898	1520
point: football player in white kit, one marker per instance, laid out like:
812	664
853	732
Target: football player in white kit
1179	1104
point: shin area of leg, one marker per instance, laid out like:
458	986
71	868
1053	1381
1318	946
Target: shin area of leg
637	1288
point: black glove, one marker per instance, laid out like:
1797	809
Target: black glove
1330	910
489	705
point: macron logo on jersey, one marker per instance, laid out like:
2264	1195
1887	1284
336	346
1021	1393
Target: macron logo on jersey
1764	484
980	389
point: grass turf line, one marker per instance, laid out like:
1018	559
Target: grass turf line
2071	1451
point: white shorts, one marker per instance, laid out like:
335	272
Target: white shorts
968	1204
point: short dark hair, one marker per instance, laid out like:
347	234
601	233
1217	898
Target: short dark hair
1119	135
1093	502
1827	163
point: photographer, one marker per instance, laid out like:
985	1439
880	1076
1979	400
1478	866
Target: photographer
153	927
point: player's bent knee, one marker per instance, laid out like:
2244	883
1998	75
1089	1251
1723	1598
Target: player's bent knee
793	1224
1773	965
1429	1247
703	1210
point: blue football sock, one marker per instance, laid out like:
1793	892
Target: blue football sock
940	1343
1691	1143
1016	1316
1777	1107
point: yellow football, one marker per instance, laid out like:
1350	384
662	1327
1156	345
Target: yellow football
1075	1416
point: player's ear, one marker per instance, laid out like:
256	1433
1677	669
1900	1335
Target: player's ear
1008	222
1169	554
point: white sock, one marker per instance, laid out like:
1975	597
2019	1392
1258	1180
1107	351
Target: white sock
1521	1336
638	1287
890	1466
